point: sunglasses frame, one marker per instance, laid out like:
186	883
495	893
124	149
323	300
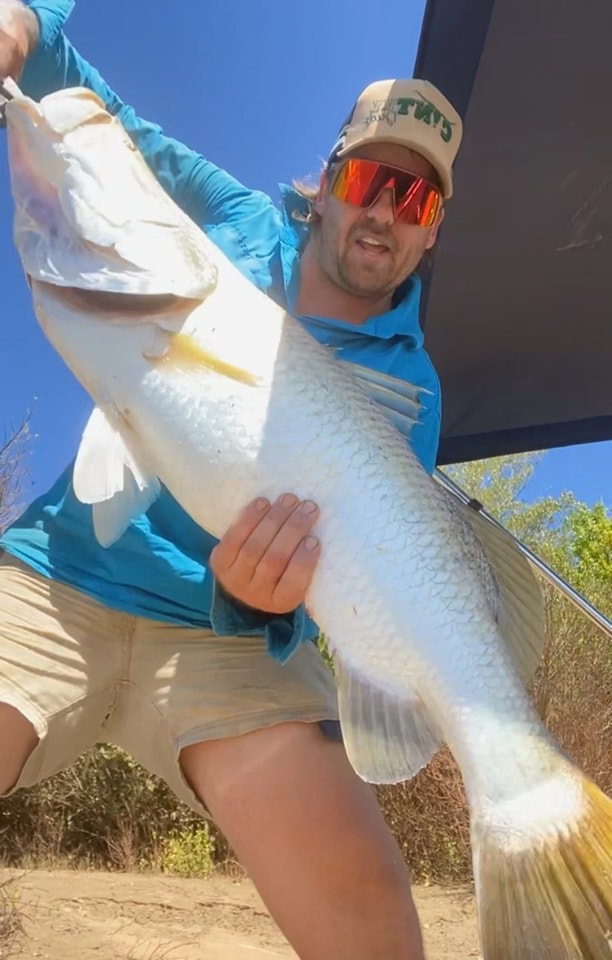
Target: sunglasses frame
333	173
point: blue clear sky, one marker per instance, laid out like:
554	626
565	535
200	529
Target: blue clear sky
260	87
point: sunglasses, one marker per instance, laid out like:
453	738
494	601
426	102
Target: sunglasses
361	182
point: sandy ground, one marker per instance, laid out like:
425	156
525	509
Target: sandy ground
102	916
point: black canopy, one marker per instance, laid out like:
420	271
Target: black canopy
517	309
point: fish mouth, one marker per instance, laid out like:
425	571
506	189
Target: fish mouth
11	94
8	91
26	106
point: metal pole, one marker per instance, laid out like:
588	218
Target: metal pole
553	578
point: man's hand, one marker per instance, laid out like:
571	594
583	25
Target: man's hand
18	36
267	558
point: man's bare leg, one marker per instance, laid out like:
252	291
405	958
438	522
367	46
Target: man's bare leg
312	838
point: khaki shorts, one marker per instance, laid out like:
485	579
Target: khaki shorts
82	673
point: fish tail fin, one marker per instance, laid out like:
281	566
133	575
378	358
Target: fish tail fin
548	895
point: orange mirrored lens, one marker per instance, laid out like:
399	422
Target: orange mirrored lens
361	182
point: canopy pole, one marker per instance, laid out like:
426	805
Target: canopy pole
553	578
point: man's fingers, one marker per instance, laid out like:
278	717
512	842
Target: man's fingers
247	540
231	543
266	559
292	586
279	548
257	537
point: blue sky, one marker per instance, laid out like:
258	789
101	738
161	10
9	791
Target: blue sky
260	87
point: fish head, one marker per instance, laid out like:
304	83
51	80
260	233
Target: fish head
88	211
122	279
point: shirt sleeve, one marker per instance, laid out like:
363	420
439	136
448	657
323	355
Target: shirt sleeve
284	633
208	194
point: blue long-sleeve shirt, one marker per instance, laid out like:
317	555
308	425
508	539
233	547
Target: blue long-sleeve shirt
158	568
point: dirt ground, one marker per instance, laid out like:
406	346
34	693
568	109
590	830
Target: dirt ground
110	916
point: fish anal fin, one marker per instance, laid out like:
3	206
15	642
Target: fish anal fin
388	737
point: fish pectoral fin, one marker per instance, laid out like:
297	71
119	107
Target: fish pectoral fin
520	608
110	476
388	739
183	352
111	518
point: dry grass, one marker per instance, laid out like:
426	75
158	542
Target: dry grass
11	921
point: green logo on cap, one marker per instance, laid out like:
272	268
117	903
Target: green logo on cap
421	109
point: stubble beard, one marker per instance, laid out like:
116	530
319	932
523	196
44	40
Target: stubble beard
349	277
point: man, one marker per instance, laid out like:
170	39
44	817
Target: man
194	655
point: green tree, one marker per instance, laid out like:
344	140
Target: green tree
573	538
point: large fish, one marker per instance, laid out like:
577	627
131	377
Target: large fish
201	382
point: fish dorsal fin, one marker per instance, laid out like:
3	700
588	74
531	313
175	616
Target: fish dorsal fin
398	399
110	476
520	606
388	737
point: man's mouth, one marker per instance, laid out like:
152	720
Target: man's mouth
372	246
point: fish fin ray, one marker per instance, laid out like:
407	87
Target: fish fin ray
98	468
519	601
110	476
388	738
111	518
404	391
548	897
398	399
183	352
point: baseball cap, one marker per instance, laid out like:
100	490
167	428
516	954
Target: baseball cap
412	113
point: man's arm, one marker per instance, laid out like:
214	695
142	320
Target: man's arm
208	194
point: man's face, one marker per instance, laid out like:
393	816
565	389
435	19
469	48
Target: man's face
367	252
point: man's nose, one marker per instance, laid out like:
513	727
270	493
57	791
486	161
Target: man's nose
383	208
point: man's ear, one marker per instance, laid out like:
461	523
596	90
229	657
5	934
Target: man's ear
433	231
